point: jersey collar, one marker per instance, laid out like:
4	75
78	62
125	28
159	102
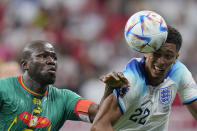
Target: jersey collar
20	79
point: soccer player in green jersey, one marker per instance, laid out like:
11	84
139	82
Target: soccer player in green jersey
30	102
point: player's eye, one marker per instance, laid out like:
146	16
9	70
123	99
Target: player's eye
169	56
42	56
54	57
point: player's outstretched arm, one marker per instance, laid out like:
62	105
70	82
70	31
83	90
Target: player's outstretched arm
108	114
193	108
113	80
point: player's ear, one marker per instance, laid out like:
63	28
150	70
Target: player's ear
24	65
177	55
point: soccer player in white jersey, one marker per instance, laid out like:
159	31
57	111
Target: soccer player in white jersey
154	81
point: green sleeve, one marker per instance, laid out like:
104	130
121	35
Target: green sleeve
71	99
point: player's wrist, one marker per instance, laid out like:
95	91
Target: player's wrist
111	87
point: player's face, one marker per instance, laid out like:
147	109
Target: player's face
159	63
43	64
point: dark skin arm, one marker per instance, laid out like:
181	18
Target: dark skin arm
193	108
109	111
113	80
108	114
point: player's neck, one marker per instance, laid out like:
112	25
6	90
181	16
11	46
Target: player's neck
34	85
155	81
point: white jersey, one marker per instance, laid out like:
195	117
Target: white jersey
146	107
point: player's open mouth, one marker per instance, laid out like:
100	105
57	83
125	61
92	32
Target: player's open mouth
158	69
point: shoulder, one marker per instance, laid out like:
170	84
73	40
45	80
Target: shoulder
8	81
135	67
62	92
179	65
178	69
8	84
134	63
179	72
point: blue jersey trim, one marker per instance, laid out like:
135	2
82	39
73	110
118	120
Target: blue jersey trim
190	100
119	104
173	67
142	69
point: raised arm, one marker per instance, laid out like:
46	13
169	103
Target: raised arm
193	108
113	80
107	115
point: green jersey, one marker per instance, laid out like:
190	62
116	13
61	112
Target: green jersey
22	109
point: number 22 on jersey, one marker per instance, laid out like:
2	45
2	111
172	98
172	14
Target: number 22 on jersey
140	116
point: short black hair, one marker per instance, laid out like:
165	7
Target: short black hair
174	37
30	47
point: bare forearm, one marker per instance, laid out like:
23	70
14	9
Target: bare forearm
107	92
193	109
113	81
101	127
92	111
95	107
108	113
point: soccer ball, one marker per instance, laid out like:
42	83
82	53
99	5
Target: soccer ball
146	31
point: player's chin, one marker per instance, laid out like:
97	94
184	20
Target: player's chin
51	81
50	78
157	75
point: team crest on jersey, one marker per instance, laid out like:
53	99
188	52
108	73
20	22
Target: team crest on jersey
165	95
34	121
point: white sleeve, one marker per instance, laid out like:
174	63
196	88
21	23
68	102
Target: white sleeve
187	87
125	96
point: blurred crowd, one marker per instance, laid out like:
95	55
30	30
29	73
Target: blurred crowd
88	35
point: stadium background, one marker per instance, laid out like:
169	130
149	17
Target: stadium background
89	37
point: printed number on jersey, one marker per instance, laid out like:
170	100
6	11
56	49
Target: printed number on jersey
140	116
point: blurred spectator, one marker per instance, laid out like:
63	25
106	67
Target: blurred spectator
9	69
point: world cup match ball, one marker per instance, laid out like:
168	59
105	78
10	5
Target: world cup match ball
146	31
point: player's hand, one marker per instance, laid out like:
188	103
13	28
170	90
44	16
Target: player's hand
115	80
